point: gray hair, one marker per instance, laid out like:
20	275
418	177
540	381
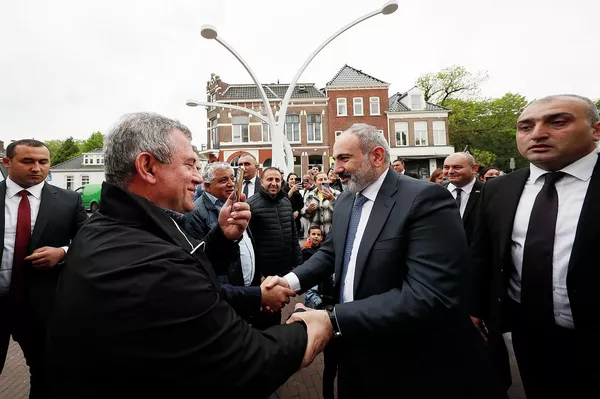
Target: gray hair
370	138
211	169
593	116
465	155
136	133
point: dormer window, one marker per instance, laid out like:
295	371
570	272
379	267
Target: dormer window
415	101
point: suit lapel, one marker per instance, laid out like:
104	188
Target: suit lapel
46	205
2	211
341	216
588	227
509	199
473	197
379	215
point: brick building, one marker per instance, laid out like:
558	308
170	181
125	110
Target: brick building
231	133
419	132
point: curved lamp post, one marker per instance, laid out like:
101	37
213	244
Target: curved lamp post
281	151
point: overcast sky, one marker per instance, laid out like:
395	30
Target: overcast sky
72	67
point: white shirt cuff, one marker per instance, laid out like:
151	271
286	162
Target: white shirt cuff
293	281
66	249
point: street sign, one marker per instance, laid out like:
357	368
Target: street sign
512	164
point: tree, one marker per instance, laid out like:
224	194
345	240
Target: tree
453	82
487	125
96	140
68	150
598	103
483	157
53	146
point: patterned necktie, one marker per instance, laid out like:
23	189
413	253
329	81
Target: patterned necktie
22	238
246	184
359	201
538	253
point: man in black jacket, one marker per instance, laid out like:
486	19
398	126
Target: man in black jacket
275	235
138	311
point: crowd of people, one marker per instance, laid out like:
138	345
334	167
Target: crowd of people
175	287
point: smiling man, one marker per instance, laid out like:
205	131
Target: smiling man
535	249
39	221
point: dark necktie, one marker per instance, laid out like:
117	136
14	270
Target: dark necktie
246	184
458	193
536	275
359	201
23	236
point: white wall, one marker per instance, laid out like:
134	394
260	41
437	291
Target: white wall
59	178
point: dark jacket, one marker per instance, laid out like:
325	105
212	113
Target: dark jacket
272	223
139	315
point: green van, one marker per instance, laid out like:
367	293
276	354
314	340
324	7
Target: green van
90	196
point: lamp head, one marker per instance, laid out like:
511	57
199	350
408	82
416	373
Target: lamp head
191	103
209	31
389	7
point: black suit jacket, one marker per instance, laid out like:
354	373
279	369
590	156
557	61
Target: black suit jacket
60	216
406	326
492	262
469	218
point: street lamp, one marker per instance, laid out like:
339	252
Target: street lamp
281	151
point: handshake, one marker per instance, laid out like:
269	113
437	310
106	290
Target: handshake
276	293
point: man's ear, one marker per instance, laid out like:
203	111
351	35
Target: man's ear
6	161
146	166
596	127
378	156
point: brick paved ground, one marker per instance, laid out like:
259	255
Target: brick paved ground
305	384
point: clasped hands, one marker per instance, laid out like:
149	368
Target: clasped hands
318	326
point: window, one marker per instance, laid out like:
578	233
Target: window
98	161
86	160
337	133
266	132
314	128
292	128
240	131
214	134
415	101
401	134
374	101
85	180
439	133
358	106
420	133
69	182
342	110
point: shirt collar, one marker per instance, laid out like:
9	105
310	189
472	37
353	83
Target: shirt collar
215	201
372	189
466	188
581	169
13	189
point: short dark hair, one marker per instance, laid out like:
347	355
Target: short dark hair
399	159
12	147
265	170
315	227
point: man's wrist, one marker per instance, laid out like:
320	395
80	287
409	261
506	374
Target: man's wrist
334	322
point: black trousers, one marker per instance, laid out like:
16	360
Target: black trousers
547	356
30	333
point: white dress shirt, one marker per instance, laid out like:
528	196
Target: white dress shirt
251	186
12	199
571	190
464	196
371	193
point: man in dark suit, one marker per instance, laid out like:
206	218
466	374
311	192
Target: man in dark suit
39	221
535	254
460	169
398	250
251	184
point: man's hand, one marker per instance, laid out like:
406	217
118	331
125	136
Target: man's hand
483	331
318	328
273	281
46	257
234	217
276	297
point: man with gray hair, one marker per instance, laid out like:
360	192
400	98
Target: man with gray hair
398	251
138	311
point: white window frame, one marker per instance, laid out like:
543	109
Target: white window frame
419	105
401	127
70	182
311	129
265	132
342	102
237	130
421	134
374	101
286	128
213	134
439	133
85	179
358	101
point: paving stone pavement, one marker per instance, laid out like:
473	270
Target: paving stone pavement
305	384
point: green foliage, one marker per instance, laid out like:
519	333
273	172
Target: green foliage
96	140
53	146
483	157
598	103
453	82
68	150
487	125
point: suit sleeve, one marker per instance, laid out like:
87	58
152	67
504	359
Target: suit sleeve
481	263
245	301
219	249
436	255
79	217
318	267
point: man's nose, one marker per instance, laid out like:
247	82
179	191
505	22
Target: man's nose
36	166
539	132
